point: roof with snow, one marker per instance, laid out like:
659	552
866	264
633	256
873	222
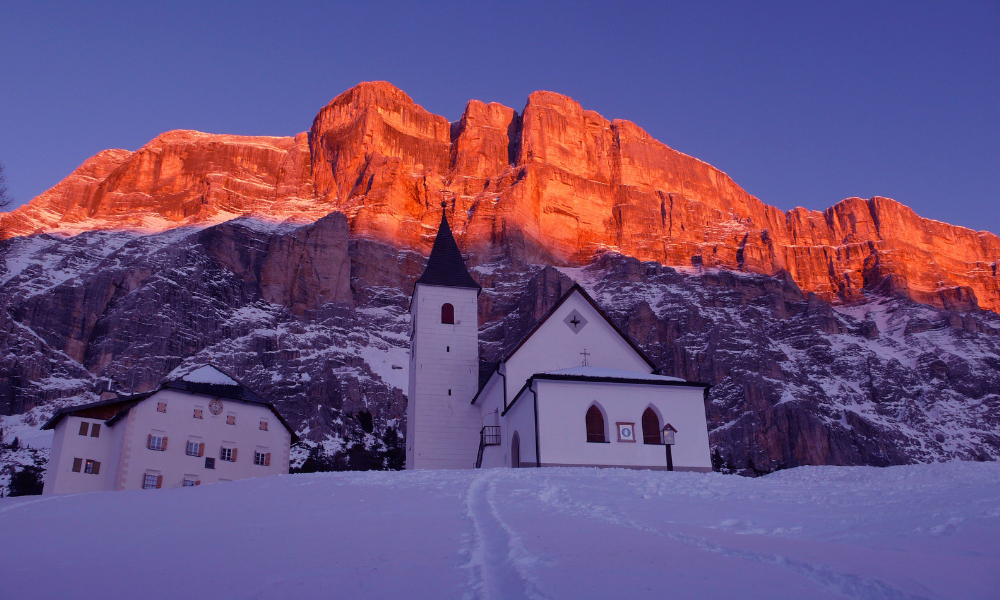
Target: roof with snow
445	266
601	372
204	381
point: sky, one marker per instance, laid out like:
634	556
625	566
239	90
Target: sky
802	104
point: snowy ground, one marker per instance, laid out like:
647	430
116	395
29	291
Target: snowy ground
926	531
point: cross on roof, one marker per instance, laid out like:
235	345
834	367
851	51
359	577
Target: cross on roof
585	355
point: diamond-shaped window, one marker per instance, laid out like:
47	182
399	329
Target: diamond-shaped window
575	321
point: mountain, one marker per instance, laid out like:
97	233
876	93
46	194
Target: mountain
553	184
288	263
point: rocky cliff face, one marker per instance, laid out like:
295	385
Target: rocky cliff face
553	184
317	321
861	335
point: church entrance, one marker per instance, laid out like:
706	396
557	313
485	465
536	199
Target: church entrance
515	451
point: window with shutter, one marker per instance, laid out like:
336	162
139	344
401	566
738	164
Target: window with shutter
77	464
263	425
161	407
267	459
83	428
234	454
88	467
201	449
595	425
230	419
95	431
448	314
650	427
149	481
228	454
159	481
97	468
193	448
157	443
198	413
164	446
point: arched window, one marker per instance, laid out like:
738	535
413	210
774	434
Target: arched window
515	451
448	314
650	427
595	425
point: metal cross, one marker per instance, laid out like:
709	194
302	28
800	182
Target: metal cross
575	321
585	355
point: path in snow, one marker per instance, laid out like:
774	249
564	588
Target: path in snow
926	531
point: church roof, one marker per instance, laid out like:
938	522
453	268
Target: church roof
605	373
579	288
484	380
445	266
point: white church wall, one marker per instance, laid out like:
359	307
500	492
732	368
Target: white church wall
443	427
521	418
490	403
562	409
555	345
179	425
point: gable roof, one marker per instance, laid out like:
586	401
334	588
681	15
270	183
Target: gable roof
445	266
576	287
208	384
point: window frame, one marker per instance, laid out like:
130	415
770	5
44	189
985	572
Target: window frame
447	313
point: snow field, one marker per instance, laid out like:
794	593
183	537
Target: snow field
923	531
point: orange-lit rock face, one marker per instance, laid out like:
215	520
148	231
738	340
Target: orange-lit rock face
554	184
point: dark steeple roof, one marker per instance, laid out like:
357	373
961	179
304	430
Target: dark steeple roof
445	266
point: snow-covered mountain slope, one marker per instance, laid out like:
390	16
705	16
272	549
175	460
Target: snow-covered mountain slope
924	531
317	321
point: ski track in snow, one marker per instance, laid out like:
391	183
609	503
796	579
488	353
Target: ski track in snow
848	585
499	562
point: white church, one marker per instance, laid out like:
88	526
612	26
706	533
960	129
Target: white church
576	391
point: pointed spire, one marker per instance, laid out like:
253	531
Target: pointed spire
445	267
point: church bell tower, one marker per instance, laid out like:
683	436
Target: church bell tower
442	426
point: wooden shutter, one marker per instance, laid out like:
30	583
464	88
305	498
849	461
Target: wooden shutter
234	454
201	449
97	468
197	482
267	459
164	446
159	481
650	427
95	431
595	425
149	441
83	428
77	464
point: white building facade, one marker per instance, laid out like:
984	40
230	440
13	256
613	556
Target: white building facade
202	428
575	392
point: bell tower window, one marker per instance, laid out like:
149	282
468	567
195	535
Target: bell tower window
448	314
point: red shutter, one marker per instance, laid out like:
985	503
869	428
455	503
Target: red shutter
149	441
267	459
197	482
97	468
77	464
164	446
201	449
159	481
234	454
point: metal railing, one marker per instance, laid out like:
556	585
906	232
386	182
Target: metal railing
489	435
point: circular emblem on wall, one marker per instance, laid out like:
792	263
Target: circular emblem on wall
215	406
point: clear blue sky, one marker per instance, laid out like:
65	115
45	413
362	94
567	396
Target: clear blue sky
803	104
